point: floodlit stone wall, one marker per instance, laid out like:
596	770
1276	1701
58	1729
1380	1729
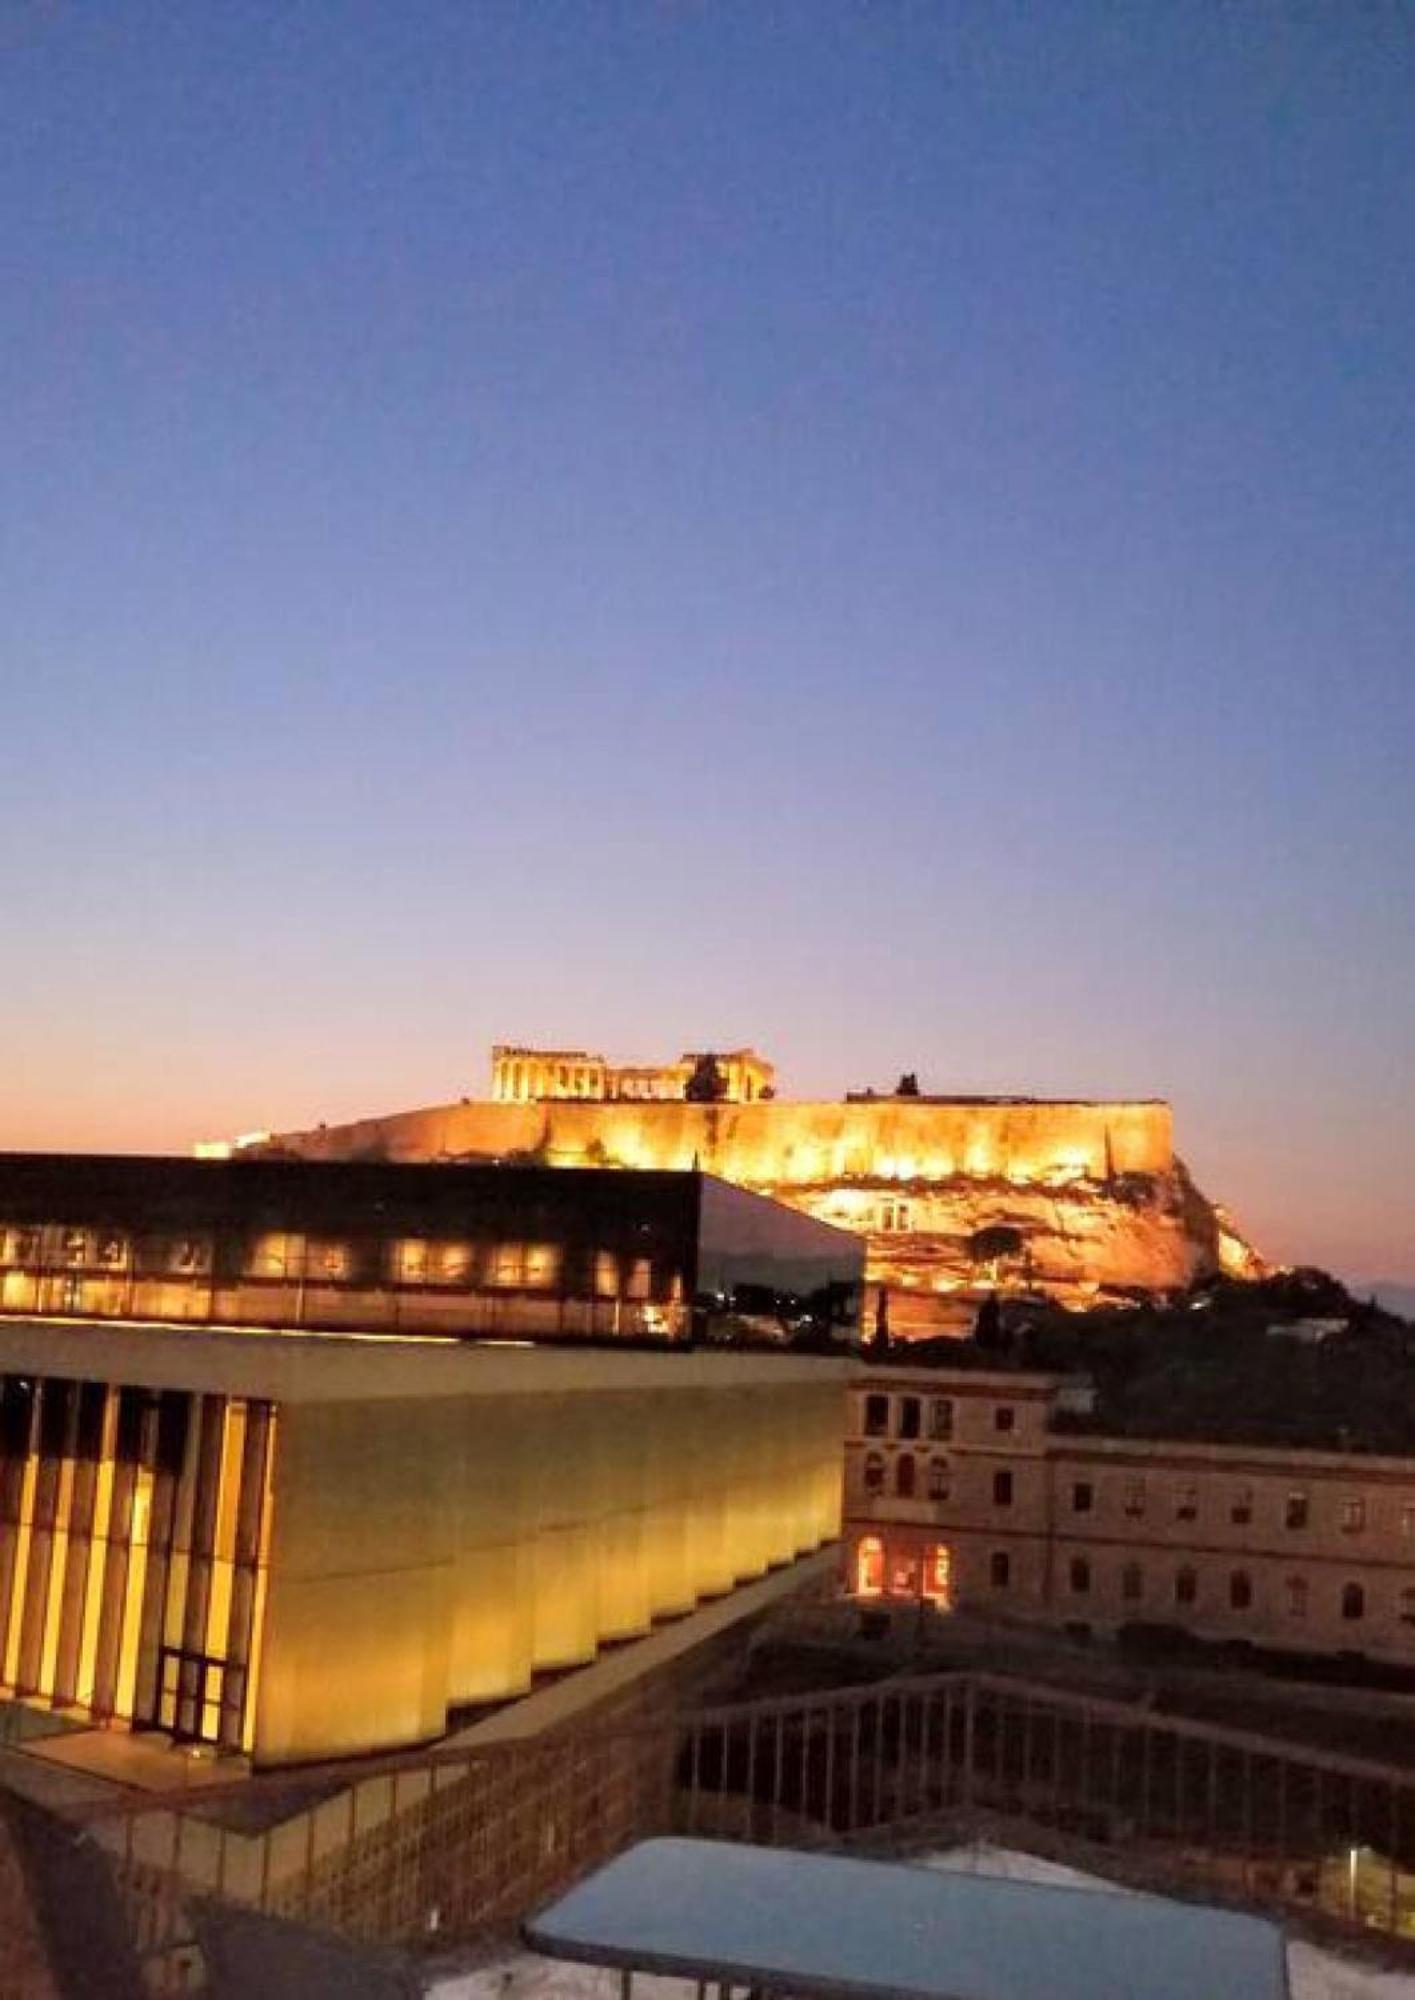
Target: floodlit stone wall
783	1146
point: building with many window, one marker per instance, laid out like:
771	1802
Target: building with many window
512	1250
961	1491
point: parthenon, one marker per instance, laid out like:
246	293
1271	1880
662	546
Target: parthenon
533	1076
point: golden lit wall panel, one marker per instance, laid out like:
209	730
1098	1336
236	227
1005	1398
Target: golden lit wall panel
357	1626
527	1532
165	1561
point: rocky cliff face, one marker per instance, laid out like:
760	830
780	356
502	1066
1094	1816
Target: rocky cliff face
1082	1201
1083	1242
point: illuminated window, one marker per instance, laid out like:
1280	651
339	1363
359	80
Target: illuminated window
112	1250
874	1473
506	1260
1134	1498
904	1477
453	1263
542	1265
1296	1593
876	1416
1353	1601
1186	1503
1240	1511
941	1417
534	1266
938	1575
413	1264
21	1246
330	1261
1240	1591
908	1416
1132	1583
640	1277
1186	1586
894	1217
999	1569
1297	1510
1353	1516
75	1246
1002	1489
904	1574
275	1255
606	1275
940	1479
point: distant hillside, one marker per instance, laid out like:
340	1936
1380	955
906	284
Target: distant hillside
1213	1364
1396	1298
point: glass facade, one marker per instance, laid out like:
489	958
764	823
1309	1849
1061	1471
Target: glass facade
512	1251
133	1548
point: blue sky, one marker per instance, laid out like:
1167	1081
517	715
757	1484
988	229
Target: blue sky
881	530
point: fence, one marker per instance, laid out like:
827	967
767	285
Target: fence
445	1847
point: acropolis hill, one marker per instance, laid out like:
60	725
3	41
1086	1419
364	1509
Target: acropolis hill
1083	1200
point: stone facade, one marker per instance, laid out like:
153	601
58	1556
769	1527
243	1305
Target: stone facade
524	1076
958	1491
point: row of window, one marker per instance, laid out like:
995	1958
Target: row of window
939	1486
938	1476
907	1417
280	1255
902	1574
1295	1511
1185	1590
938	1479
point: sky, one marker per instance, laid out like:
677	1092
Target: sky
881	531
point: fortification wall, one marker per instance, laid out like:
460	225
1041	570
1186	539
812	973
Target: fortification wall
784	1145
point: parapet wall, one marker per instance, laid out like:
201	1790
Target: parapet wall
784	1145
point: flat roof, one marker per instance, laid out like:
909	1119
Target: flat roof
820	1924
292	1367
335	1194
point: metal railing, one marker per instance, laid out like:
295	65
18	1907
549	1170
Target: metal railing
446	1846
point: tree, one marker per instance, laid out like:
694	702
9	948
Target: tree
908	1085
987	1327
707	1084
879	1346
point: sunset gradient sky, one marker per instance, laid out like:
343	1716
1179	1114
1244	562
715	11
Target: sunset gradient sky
881	531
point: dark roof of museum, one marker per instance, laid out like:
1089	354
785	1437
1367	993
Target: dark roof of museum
337	1194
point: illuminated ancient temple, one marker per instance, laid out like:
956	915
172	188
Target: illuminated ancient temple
522	1075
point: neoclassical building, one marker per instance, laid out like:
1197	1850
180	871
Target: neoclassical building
959	1491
